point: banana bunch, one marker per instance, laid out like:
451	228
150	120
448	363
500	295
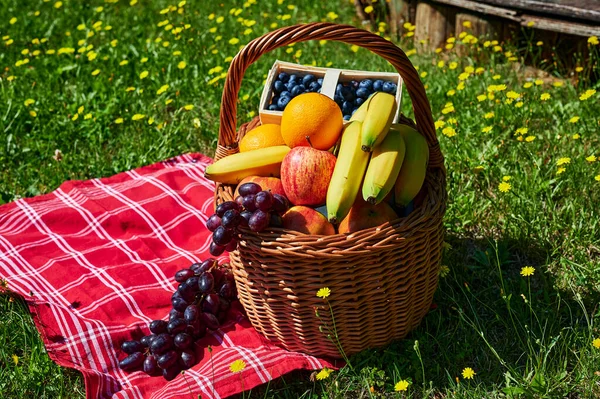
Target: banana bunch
233	168
376	115
384	167
414	167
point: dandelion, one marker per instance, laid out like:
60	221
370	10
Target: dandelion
332	16
449	131
479	70
181	65
519	104
144	75
560	171
489	115
58	4
220	20
468	373
162	89
13	20
87	116
578	69
529	139
522	130
188	107
423	74
234	40
527	85
450	93
513	95
237	366
323	374
323	292
463	76
444	270
593	40
504	187
597	177
467	24
354	48
453	65
545	96
591	158
576	136
138	117
32	113
28	102
539	43
75	117
486	129
95	72
497	77
574	119
441	64
15	359
401	386
439	124
587	94
563	161
527	271
118	121
481	97
369	9
557	84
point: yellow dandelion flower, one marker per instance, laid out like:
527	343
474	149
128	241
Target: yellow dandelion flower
99	9
453	121
450	93
597	177
539	43
529	139
489	115
574	119
481	97
354	48
530	24
237	366
411	52
563	161
449	131
466	24
138	117
576	136
522	130
538	82
486	129
144	75
497	77
438	50
504	187
593	40
234	40
130	88
591	158
118	121
323	292
80	109
527	271
401	386
150	120
588	93
369	9
513	95
519	104
332	16
188	107
449	46
596	343
181	65
453	65
162	89
423	74
441	64
11	78
133	2
578	69
32	113
527	85
444	270
58	4
323	374
15	359
75	117
87	116
560	171
558	83
463	76
439	124
13	20
479	70
545	96
28	102
95	72
468	373
144	59
506	178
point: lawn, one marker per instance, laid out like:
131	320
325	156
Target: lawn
89	89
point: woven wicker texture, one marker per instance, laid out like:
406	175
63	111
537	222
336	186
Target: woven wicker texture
381	279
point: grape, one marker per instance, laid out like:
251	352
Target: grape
259	221
213	222
161	344
150	367
224	305
182	340
222	236
210	320
249	188
167	359
187	359
245	217
197	329
199	268
206	282
183	275
192	313
232	245
174	314
225	206
249	202
222	317
240	200
170	373
226	290
132	362
264	200
179	304
275	220
147	340
230	219
218	275
176	326
131	347
211	304
187	291
216	250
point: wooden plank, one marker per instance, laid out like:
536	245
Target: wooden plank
557	25
588	10
481	26
434	23
482	8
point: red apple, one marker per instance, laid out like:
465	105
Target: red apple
363	215
267	183
307	220
305	175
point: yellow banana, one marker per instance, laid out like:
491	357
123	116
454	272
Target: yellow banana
384	166
378	118
347	175
361	112
414	167
233	168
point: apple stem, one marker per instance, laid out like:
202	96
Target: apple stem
308	139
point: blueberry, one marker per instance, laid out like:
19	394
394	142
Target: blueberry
273	107
362	93
346	117
314	86
358	101
283	101
294	78
338	99
275	99
320	81
366	84
388	87
308	79
378	85
354	84
298	90
284	77
347	107
285	93
349	95
394	88
338	88
278	87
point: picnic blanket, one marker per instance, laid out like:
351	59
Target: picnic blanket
95	261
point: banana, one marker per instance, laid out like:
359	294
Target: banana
233	168
414	167
361	112
347	175
378	118
384	166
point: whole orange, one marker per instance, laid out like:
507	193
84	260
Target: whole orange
267	135
311	115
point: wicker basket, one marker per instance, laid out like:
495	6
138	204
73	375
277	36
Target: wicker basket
381	279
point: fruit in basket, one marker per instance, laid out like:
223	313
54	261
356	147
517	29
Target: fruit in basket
234	168
351	95
311	120
347	175
384	166
378	119
263	136
361	112
364	215
306	220
288	86
272	184
305	175
414	167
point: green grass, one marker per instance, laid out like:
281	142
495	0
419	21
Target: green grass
523	336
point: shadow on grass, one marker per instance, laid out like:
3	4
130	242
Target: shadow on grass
513	330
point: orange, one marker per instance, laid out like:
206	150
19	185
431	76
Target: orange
267	135
314	115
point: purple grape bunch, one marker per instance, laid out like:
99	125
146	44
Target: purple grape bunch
200	303
253	208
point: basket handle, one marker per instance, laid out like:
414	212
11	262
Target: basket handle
227	140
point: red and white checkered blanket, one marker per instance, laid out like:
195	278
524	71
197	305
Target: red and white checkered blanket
95	261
